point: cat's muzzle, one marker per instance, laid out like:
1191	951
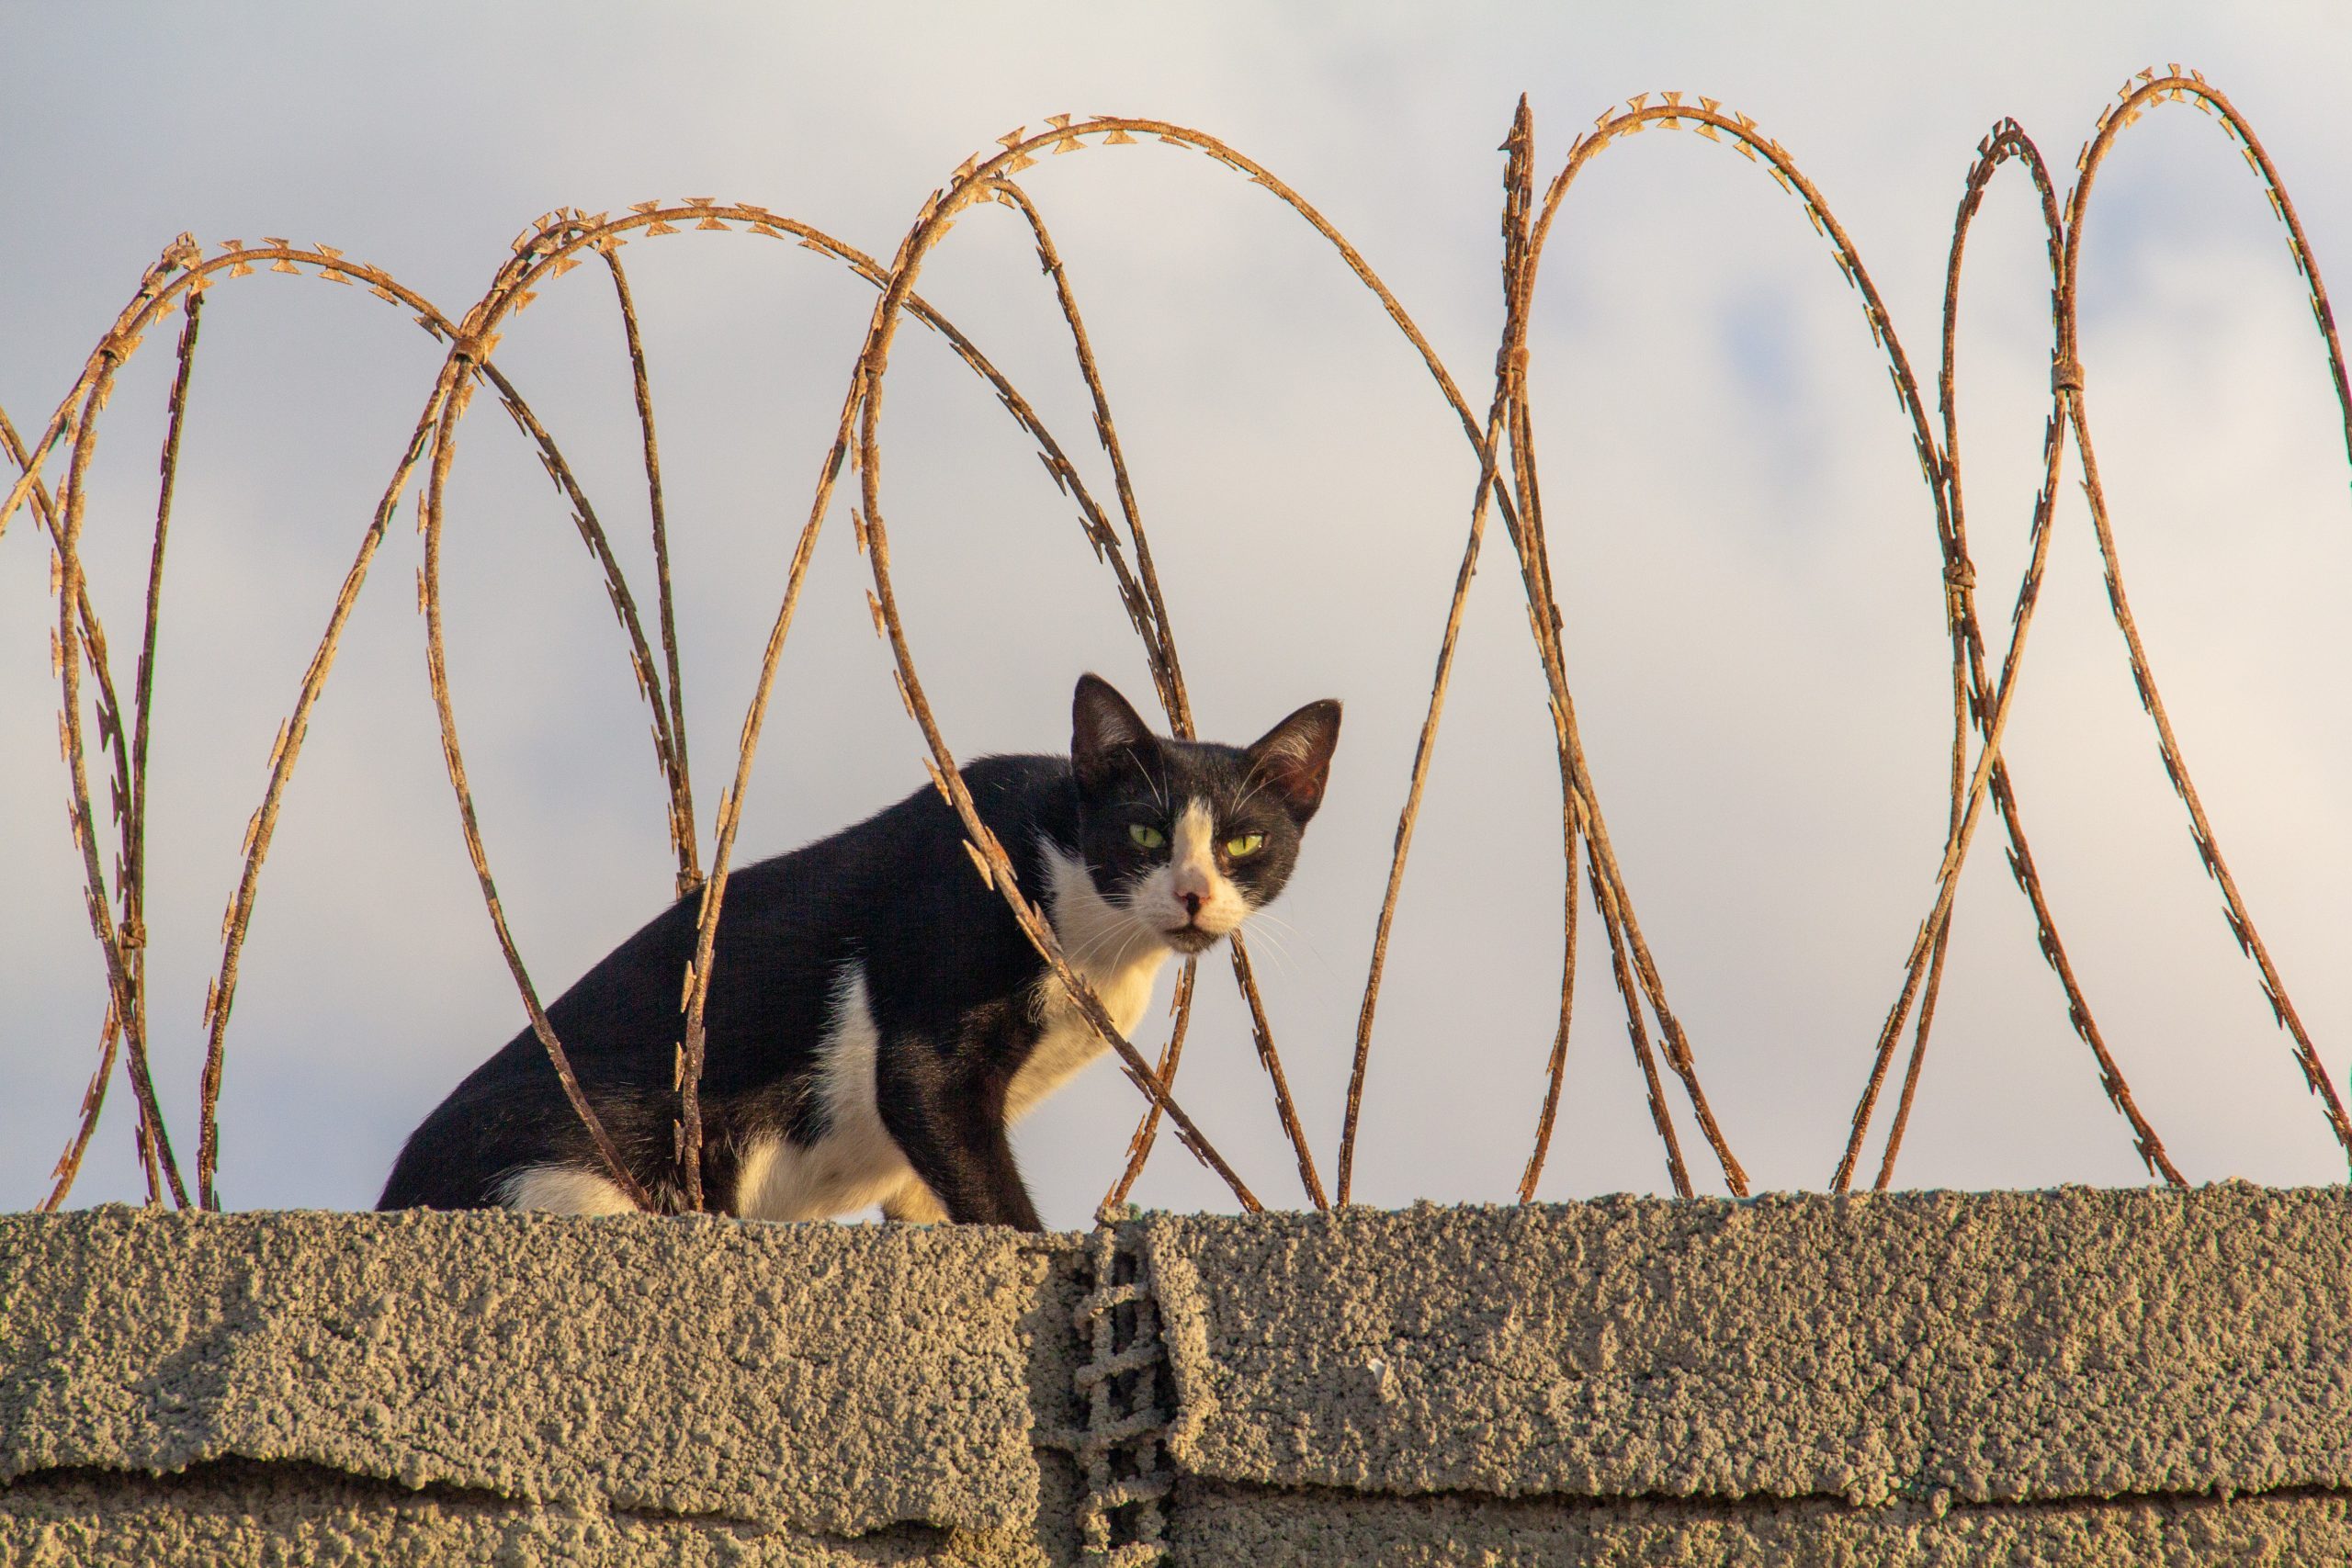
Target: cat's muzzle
1190	939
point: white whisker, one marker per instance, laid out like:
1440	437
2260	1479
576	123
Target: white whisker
1262	920
1268	943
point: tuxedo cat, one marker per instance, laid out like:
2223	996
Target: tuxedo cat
876	1019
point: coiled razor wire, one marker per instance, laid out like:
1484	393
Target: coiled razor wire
1503	440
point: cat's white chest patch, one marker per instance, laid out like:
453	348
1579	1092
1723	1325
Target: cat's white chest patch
1068	1043
1120	956
857	1162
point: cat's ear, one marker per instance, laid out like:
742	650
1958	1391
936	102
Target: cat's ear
1294	759
1104	731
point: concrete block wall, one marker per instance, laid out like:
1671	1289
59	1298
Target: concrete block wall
2143	1377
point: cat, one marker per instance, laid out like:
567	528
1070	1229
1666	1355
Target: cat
876	1020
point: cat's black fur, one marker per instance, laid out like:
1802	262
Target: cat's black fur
952	988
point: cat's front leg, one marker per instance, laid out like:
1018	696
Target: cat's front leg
948	1120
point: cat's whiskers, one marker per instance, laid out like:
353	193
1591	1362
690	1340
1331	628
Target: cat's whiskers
1282	953
1269	946
1129	936
1273	943
1271	920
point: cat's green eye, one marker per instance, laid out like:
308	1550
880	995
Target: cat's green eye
1151	838
1245	845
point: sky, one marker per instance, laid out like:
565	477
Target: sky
1743	550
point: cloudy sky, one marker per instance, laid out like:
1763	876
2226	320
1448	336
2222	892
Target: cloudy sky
1744	551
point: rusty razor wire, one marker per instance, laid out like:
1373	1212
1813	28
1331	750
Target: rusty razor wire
1501	438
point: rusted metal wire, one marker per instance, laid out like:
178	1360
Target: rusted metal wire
1507	481
68	1163
2146	90
1425	748
1612	900
93	1099
995	865
451	394
1970	694
238	262
153	1138
2178	88
1518	200
1139	1147
1168	676
131	777
680	778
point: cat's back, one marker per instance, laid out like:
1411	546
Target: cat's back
899	890
893	901
907	851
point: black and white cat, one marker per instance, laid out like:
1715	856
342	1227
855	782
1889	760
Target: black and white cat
876	1019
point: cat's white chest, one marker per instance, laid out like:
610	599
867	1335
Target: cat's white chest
855	1162
1068	1043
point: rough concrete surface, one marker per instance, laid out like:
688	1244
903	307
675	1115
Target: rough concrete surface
233	1512
1998	1347
815	1376
1217	1524
1928	1379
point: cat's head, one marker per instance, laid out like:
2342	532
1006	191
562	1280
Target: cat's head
1186	838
